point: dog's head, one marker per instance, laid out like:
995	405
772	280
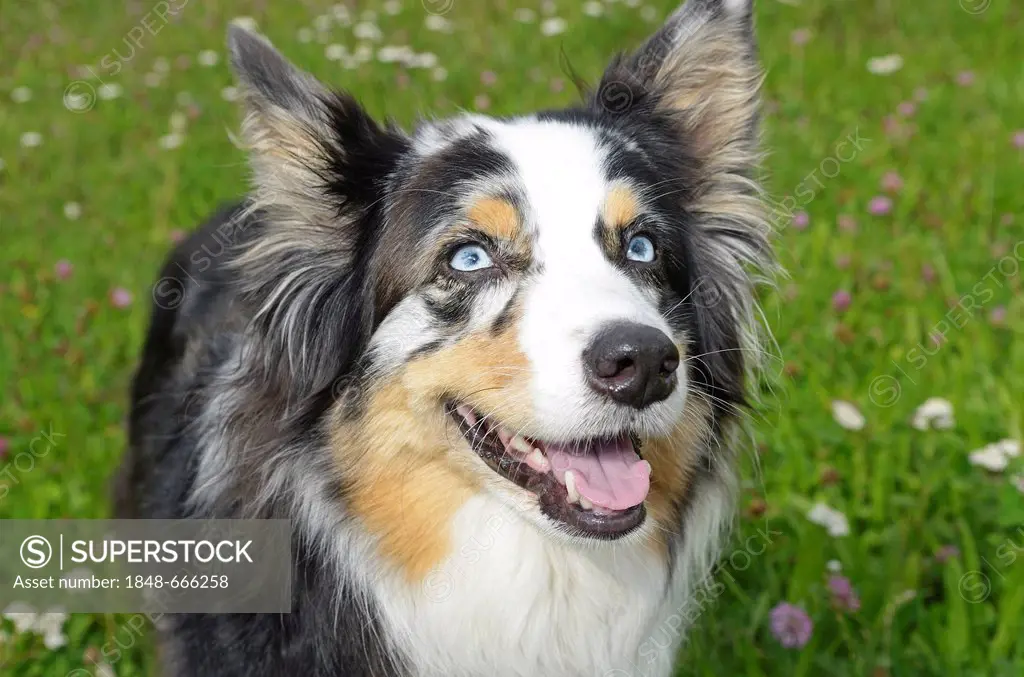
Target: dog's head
556	308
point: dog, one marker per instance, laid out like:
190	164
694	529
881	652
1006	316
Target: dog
492	370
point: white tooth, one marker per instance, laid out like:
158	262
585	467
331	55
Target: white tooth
466	413
538	461
519	443
585	504
570	487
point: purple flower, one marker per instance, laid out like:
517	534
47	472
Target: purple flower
801	220
482	102
892	182
62	269
800	36
120	297
844	597
488	78
907	108
965	78
946	552
846	223
928	273
177	235
1018	139
880	205
920	94
791	625
998	316
841	300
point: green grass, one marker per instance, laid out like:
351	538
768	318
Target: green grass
66	352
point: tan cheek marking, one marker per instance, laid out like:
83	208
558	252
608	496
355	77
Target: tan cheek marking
399	481
495	217
488	372
673	462
405	482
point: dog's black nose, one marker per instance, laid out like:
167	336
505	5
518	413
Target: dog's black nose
631	363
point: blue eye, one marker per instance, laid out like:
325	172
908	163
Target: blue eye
470	257
640	248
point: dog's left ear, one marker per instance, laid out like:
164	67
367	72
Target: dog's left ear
701	68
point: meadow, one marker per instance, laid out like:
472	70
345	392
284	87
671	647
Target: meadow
881	529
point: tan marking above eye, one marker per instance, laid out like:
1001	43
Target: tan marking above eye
495	217
621	207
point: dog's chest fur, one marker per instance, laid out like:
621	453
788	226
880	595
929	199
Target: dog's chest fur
509	601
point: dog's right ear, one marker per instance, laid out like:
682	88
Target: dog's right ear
305	141
320	165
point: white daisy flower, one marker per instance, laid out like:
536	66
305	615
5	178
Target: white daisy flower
72	210
335	52
21	95
936	413
631	3
524	15
229	93
109	90
424	60
208	58
178	121
995	457
31	139
152	79
395	54
553	26
322	23
22	615
342	14
834	565
367	31
439	74
847	415
548	7
171	141
363	53
885	65
161	65
649	13
246	22
305	35
393	7
1018	481
436	22
593	8
834	521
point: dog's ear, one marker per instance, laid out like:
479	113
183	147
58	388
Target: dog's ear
305	141
320	166
701	69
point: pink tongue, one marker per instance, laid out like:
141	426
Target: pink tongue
609	474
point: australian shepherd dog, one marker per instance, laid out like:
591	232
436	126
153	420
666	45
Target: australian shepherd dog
491	369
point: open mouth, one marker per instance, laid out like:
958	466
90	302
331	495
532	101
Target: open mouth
596	487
